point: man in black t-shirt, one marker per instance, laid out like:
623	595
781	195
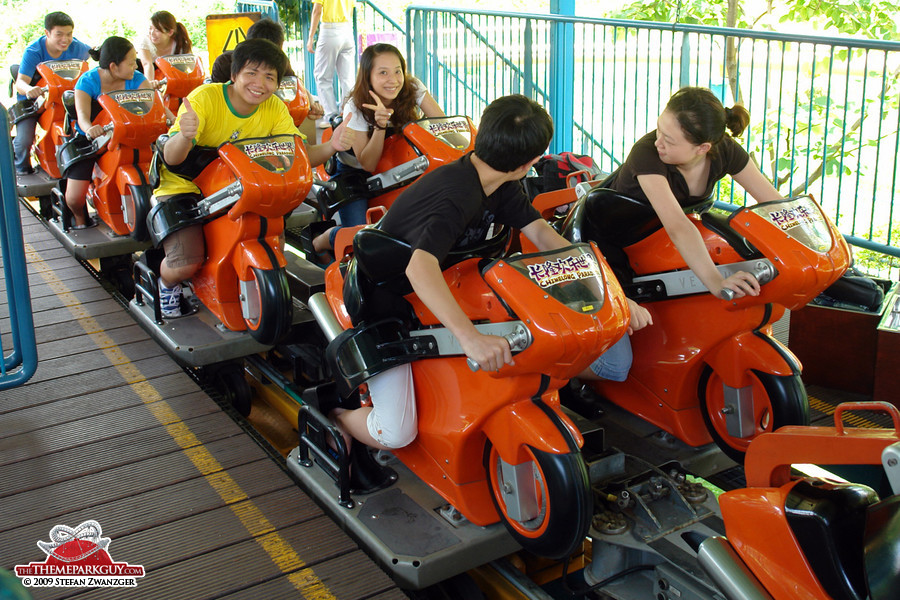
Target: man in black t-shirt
449	209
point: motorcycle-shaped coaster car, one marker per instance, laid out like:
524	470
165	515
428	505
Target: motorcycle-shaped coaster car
181	73
417	148
244	307
57	77
496	446
709	368
119	191
296	101
782	537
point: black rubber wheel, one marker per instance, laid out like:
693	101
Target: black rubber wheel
563	499
232	384
45	204
778	400
270	308
136	207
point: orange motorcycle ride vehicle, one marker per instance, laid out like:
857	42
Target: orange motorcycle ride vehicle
58	77
813	538
782	537
709	369
248	187
496	446
181	73
296	101
417	148
120	190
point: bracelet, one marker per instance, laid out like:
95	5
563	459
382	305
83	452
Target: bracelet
378	127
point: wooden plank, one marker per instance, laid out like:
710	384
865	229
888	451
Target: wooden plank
89	361
55	437
80	344
98	455
212	530
82	383
202	577
146	509
58	499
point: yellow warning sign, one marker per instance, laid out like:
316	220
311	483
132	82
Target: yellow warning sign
224	32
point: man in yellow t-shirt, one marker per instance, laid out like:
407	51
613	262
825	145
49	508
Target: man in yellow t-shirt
334	51
212	115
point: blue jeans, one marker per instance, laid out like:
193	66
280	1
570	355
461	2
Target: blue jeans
23	143
354	212
615	363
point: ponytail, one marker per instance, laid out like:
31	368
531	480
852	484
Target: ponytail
736	119
182	39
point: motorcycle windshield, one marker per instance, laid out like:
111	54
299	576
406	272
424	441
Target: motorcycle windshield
287	89
137	102
275	154
453	131
183	62
801	218
571	275
67	69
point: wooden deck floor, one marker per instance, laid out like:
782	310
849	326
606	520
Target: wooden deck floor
111	429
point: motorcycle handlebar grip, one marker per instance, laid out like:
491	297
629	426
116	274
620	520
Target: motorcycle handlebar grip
762	271
517	340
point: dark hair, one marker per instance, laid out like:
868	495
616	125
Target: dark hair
165	21
258	52
114	49
404	105
513	131
221	69
57	19
267	29
703	118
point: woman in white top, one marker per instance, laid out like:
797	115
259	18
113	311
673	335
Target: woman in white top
384	96
166	36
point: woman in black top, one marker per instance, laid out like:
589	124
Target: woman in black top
680	163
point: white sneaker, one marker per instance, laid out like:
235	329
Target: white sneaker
170	301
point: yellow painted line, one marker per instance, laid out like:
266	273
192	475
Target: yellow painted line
279	550
851	418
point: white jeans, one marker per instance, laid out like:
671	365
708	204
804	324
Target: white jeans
392	421
334	52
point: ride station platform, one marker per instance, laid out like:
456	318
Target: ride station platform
111	429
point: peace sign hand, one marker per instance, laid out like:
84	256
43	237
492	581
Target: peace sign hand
382	113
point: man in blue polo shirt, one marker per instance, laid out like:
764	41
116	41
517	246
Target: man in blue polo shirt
57	43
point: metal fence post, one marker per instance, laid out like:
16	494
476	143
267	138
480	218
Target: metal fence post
562	76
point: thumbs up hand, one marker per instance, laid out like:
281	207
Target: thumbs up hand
342	139
188	121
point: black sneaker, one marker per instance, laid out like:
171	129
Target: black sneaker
28	171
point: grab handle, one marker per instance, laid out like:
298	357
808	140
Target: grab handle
518	339
762	270
878	406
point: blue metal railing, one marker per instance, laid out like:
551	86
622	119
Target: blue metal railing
825	112
20	363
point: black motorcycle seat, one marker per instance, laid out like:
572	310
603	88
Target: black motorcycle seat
828	520
880	544
13	75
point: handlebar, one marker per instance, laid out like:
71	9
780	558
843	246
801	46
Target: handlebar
518	339
106	129
762	271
